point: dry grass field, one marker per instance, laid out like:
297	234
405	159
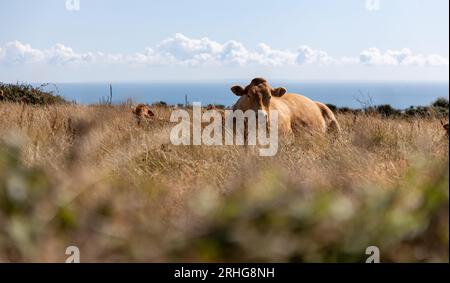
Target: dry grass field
89	176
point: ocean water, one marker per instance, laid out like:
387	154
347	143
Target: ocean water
400	95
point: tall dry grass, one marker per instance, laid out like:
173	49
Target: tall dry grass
90	176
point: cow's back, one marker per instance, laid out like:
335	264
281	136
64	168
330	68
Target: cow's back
300	111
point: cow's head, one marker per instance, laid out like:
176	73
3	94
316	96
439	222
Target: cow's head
148	113
258	94
143	111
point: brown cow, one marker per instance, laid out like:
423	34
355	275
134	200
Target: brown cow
2	96
215	108
142	112
445	126
294	110
211	107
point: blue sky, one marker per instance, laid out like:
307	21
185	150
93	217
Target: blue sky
113	40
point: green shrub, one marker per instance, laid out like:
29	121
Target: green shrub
441	102
275	220
387	110
161	104
419	111
28	94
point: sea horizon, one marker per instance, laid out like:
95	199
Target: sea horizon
399	94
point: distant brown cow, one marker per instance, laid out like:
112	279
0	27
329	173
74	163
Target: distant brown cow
445	126
211	107
2	96
215	108
294	111
142	112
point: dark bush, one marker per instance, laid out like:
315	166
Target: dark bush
347	110
160	104
441	102
419	111
28	94
440	107
332	107
387	110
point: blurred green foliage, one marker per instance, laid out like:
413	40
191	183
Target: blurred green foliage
24	195
274	220
266	219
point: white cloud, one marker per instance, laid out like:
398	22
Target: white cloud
307	55
16	52
235	54
60	54
181	50
273	57
404	57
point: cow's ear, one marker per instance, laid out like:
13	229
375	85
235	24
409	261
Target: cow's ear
278	91
238	90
